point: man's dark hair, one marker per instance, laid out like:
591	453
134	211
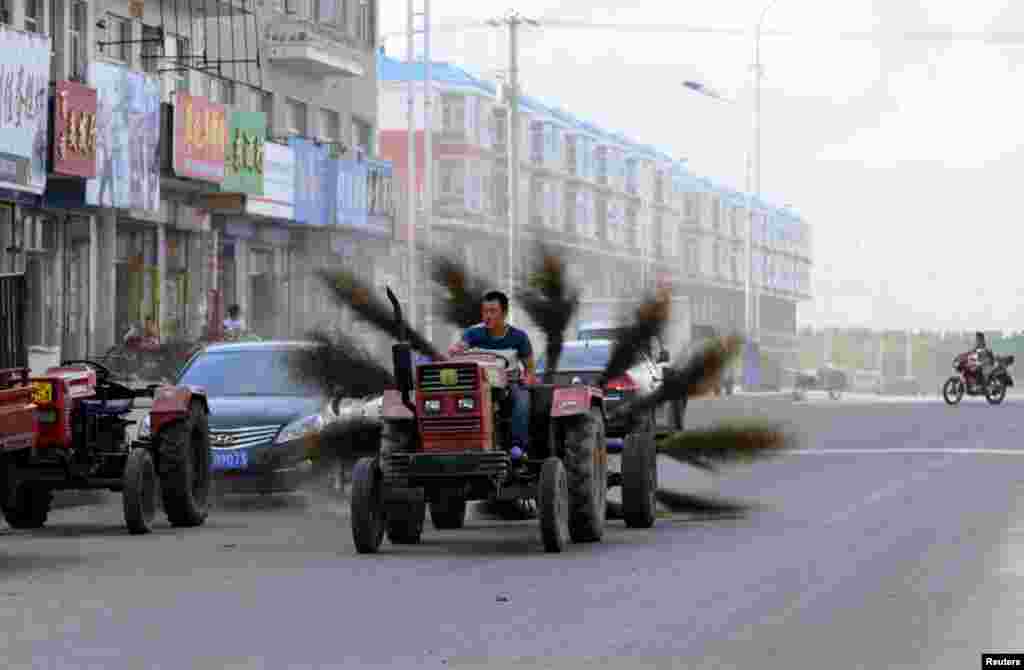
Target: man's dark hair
233	311
498	297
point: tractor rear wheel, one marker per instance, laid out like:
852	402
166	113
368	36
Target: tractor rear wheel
184	449
31	507
139	495
449	512
553	505
586	466
639	480
367	510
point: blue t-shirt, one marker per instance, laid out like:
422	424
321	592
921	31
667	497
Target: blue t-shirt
516	340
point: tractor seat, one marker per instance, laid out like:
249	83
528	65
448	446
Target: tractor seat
107	407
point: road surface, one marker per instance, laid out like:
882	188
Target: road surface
893	538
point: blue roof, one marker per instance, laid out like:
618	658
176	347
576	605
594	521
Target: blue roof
390	69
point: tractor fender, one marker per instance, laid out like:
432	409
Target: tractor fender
171	403
575	400
392	407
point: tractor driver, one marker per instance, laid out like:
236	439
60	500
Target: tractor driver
494	334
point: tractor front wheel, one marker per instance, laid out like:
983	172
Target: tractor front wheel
449	512
639	480
139	495
553	505
367	510
185	455
31	507
586	467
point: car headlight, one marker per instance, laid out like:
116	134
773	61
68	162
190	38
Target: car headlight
145	427
301	428
432	406
467	404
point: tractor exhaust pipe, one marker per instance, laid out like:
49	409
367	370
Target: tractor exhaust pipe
401	356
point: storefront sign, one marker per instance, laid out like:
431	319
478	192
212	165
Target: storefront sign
243	163
200	138
315	191
127	139
24	109
74	130
278	199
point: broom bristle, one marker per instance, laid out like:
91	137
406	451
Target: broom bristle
551	302
726	444
649	322
339	367
347	290
463	294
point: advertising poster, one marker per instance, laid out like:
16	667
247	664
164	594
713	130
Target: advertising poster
74	130
127	139
24	110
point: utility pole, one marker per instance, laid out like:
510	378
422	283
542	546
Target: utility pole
428	156
411	170
513	20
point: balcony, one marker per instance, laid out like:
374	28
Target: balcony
306	46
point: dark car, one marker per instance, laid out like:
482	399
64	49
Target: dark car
583	361
262	421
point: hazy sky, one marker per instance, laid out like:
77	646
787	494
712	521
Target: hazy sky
901	153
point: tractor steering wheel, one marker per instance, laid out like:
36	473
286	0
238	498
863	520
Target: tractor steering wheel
102	370
505	359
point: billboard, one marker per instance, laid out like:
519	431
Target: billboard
74	130
315	191
243	163
278	199
24	110
200	138
127	139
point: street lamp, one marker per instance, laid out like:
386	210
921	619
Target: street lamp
702	89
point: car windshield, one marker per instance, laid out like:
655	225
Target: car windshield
595	357
599	334
262	372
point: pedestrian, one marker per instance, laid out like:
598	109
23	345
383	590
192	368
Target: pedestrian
234	321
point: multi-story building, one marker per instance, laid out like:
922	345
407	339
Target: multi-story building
198	156
628	214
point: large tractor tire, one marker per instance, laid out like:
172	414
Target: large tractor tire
553	505
586	467
639	480
184	453
448	513
31	507
367	510
139	495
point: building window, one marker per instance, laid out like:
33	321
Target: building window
453	114
77	39
330	126
222	91
296	117
692	258
362	136
182	56
117	43
151	48
267	107
33	16
5	11
453	178
325	11
366	28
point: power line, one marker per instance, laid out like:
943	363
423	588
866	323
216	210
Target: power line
994	38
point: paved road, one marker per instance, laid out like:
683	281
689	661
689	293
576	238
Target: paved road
880	545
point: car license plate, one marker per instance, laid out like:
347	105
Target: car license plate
230	460
42	392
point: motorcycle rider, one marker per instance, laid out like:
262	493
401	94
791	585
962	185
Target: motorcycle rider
986	359
495	334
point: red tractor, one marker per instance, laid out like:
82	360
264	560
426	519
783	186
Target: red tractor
80	441
445	441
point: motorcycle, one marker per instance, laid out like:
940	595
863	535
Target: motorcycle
966	380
